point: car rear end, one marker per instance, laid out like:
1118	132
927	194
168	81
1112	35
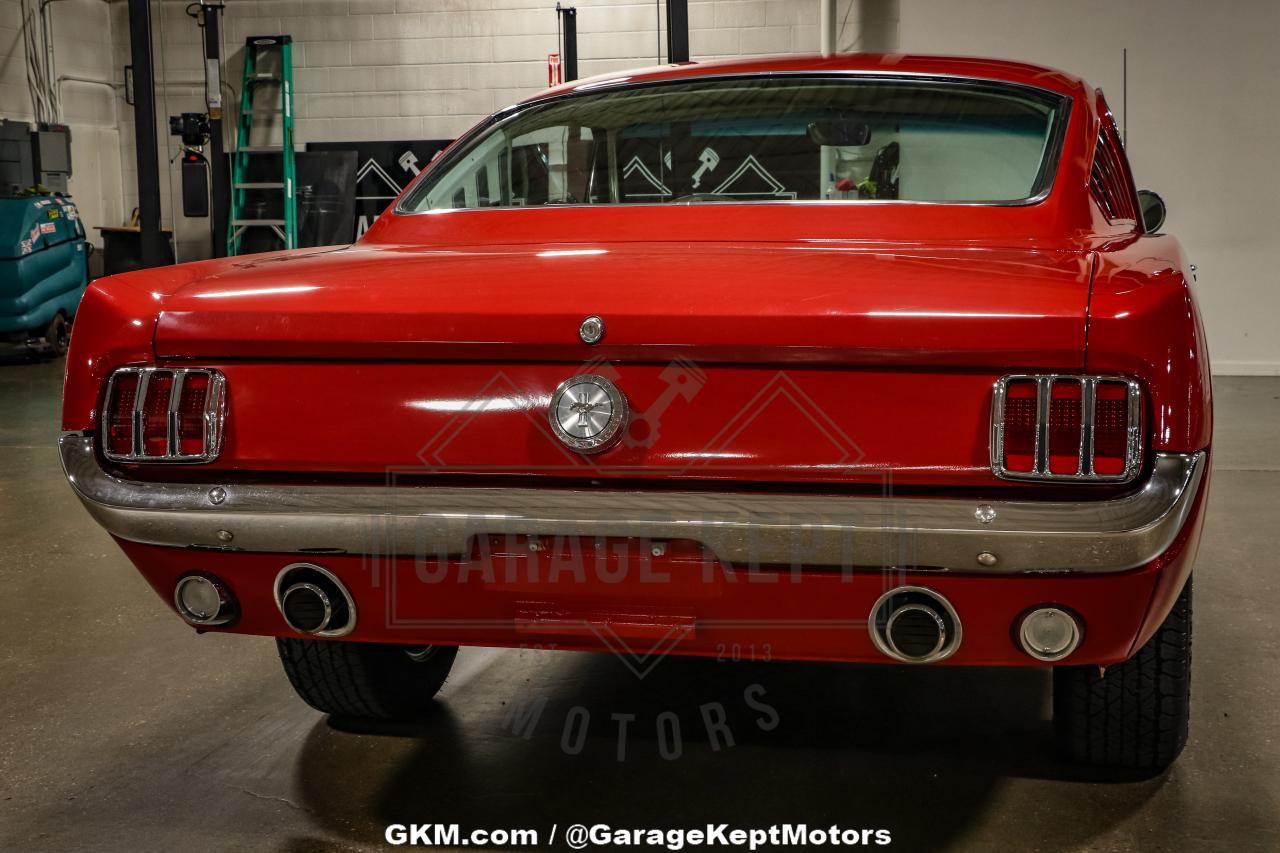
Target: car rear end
985	445
909	454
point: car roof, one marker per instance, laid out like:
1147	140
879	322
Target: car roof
969	67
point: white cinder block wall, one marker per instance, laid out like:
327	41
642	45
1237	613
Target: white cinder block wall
429	69
1203	119
1201	111
82	50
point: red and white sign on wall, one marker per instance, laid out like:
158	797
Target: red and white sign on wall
553	69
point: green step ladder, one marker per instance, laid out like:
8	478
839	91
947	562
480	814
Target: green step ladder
265	79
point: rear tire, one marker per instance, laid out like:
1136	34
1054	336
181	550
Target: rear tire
57	335
1137	714
371	680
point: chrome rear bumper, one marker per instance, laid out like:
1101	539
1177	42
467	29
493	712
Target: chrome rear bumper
746	529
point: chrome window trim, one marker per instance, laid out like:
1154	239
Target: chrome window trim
1050	166
214	416
1088	401
1088	535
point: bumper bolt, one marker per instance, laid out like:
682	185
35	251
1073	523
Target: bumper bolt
986	558
985	513
217	495
225	535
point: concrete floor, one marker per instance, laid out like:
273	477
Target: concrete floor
123	730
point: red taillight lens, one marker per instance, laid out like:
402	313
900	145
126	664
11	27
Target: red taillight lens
1065	404
1020	426
1111	429
155	414
119	414
1066	427
191	408
182	413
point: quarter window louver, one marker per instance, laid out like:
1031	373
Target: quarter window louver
1106	182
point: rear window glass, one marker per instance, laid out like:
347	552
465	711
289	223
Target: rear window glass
759	139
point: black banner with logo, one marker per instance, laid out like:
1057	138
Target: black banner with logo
383	169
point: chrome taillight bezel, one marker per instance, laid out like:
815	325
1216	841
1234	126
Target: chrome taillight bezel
214	416
1088	401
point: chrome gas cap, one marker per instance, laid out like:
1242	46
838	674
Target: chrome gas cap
588	413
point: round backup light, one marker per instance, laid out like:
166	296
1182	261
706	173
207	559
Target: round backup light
1049	633
203	600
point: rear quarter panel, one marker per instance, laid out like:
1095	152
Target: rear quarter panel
1144	322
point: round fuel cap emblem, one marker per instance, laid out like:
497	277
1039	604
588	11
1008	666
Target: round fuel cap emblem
588	413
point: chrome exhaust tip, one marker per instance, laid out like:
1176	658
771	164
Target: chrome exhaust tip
913	624
204	601
306	608
313	601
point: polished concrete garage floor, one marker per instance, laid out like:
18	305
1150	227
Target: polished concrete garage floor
120	729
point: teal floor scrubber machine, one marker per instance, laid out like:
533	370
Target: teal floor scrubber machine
43	272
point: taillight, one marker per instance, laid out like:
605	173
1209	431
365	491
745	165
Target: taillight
1053	427
162	415
118	417
1065	434
1020	437
155	414
1111	429
192	405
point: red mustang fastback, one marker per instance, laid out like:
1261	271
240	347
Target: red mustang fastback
871	359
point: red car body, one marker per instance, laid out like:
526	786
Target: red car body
826	355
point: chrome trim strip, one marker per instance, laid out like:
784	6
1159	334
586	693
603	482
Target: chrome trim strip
1133	452
175	396
1044	394
139	402
830	531
1089	399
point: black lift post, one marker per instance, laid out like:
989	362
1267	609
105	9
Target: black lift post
569	54
219	178
677	30
144	131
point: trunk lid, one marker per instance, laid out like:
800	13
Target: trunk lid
780	303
